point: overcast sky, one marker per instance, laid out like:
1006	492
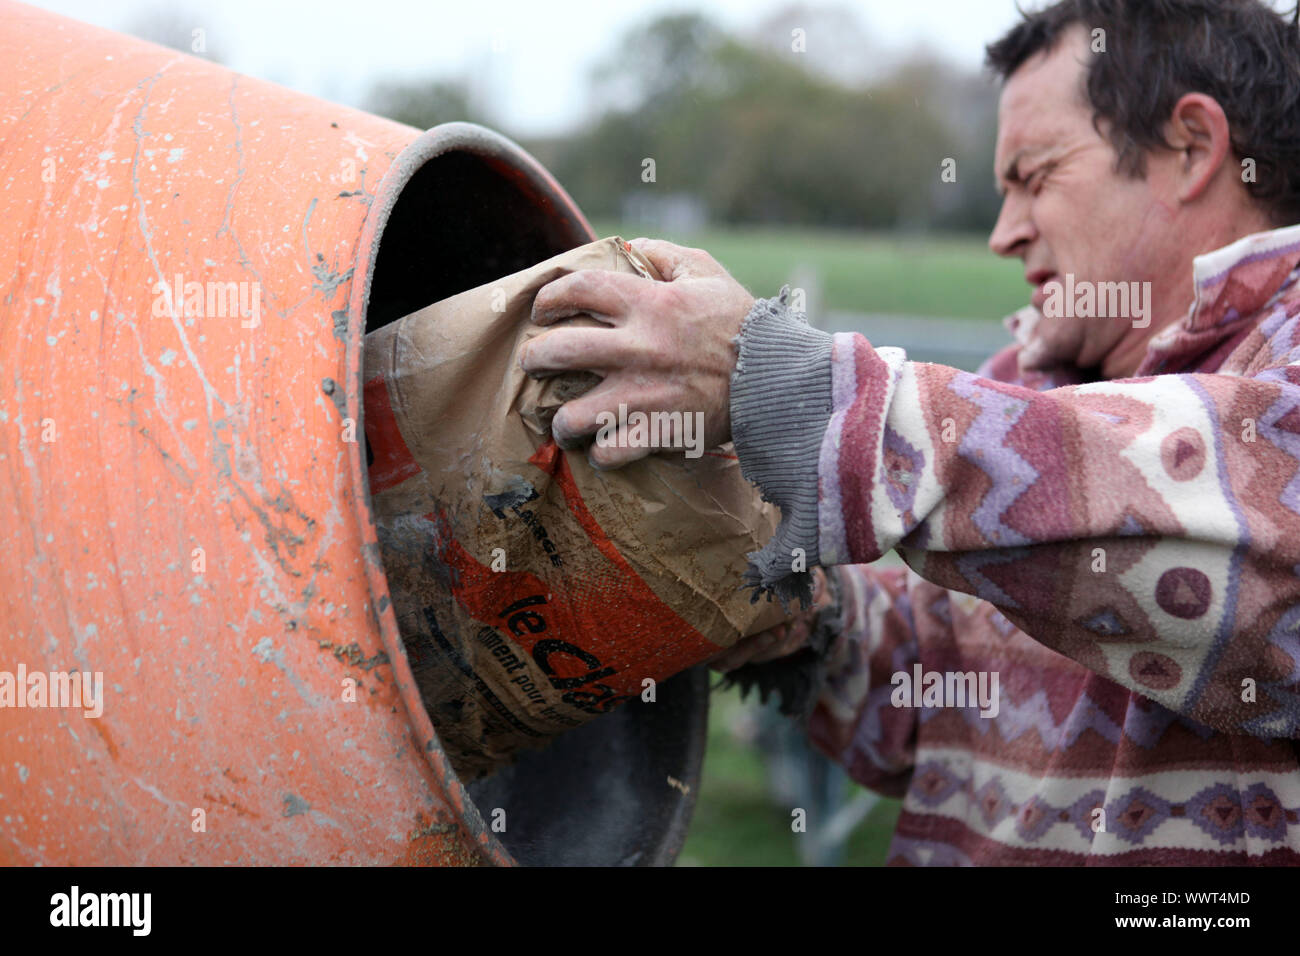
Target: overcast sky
530	57
335	50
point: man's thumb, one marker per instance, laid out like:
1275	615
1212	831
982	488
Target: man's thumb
672	261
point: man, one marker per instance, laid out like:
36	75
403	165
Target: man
1103	526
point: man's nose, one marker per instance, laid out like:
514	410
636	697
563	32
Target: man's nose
1014	229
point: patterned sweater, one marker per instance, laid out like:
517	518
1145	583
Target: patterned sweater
1123	555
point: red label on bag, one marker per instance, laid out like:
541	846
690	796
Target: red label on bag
393	463
597	638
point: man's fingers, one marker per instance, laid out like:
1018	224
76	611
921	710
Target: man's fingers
743	650
602	294
615	454
776	642
676	262
794	636
577	349
578	419
593	414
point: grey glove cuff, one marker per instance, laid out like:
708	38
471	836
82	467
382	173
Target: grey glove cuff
780	407
797	680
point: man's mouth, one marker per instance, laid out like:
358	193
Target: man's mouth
1039	280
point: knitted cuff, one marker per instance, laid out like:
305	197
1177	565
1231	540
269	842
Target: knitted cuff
780	407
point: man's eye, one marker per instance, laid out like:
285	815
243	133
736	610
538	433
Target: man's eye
1035	180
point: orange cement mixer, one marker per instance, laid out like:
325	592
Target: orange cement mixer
189	259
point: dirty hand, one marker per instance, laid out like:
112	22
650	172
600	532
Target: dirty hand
665	347
780	640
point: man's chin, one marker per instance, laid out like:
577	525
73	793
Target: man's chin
1045	343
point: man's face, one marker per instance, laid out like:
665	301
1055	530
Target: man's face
1068	210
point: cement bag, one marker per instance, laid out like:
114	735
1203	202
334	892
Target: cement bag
534	593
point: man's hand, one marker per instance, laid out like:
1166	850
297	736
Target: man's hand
668	346
779	640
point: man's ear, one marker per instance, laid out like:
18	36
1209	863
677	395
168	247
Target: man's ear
1198	129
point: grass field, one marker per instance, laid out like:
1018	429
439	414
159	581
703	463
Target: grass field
735	822
944	276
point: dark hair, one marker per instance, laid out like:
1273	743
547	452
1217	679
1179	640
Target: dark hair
1240	52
